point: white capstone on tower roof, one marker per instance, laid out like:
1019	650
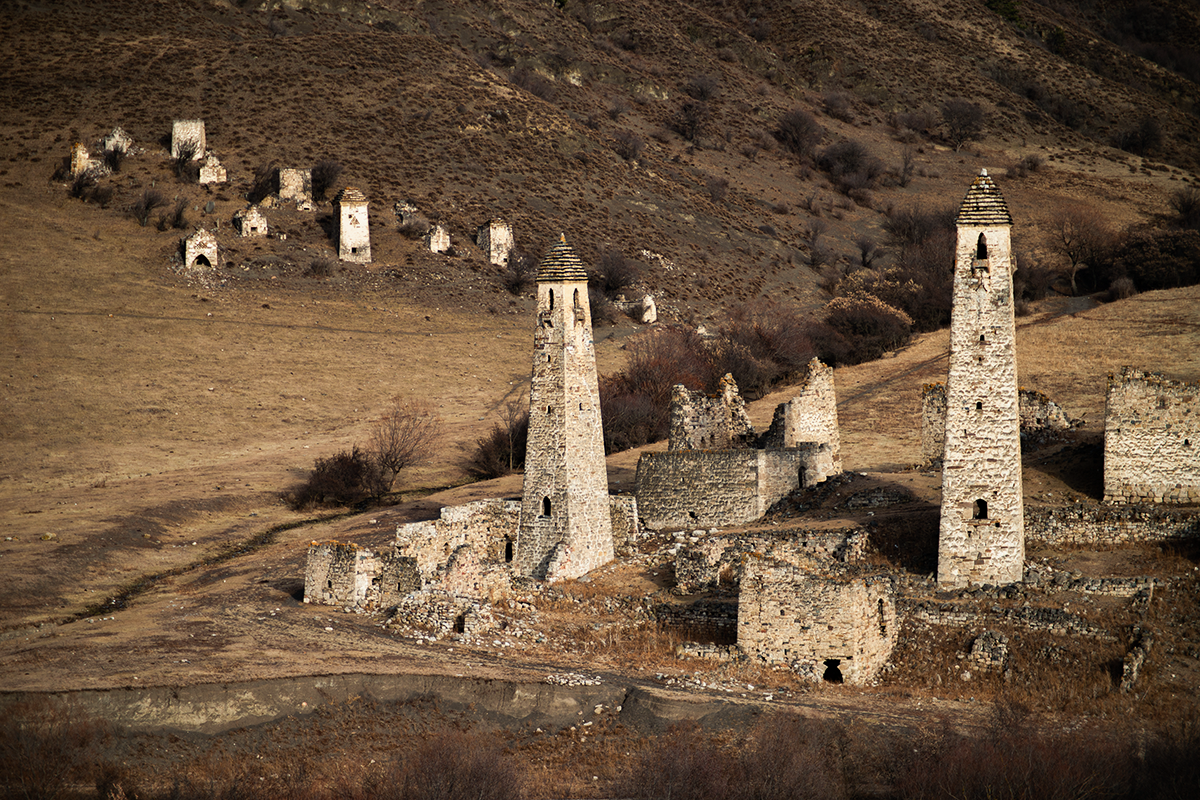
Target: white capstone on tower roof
982	535
354	234
566	528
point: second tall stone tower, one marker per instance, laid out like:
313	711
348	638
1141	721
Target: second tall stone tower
566	523
982	536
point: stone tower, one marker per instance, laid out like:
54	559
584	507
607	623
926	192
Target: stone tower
982	537
566	527
354	233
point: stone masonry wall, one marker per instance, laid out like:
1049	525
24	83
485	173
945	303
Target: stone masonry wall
1151	439
706	488
1089	525
488	526
700	421
717	561
295	185
815	621
350	576
188	131
354	227
810	416
1037	412
495	239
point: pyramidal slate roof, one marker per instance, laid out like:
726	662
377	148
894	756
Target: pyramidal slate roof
561	264
983	204
350	195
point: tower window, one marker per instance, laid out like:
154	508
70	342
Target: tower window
981	248
980	510
508	551
979	405
982	339
551	299
545	506
549	409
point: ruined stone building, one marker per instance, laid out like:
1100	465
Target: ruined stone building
982	533
188	132
81	162
250	221
565	529
826	623
718	471
118	140
200	250
354	233
1151	439
495	239
438	239
295	186
211	170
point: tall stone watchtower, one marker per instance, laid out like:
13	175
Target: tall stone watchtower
566	527
982	537
354	232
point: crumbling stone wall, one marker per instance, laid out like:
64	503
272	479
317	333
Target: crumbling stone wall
354	232
295	186
810	416
982	531
817	621
693	488
718	561
1151	439
346	575
80	160
1090	525
200	251
495	239
118	139
489	527
700	421
185	131
566	518
438	239
1036	412
250	222
211	170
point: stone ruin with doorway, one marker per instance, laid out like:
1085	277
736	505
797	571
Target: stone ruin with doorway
718	471
495	239
211	170
438	239
250	221
200	251
354	230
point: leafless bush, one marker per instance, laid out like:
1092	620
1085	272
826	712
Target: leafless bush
869	251
114	158
1139	138
502	450
963	120
908	161
603	310
702	87
149	200
44	749
321	267
324	175
718	188
1022	168
618	107
871	325
265	183
614	273
799	132
1185	203
184	163
458	766
407	434
82	186
178	215
1121	289
759	29
921	121
690	120
1081	238
519	273
850	165
683	765
839	105
345	478
533	83
414	227
627	144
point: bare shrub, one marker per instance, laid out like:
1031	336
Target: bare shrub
614	273
759	29
790	756
265	183
44	749
1139	138
324	175
922	121
718	188
519	273
761	343
1121	289
346	478
871	325
1159	259
799	132
603	310
502	449
414	226
114	158
908	161
683	765
617	107
407	434
147	202
1185	203
82	186
533	83
1028	164
690	120
628	145
869	251
321	267
702	87
457	766
1031	281
1080	238
838	105
178	215
850	165
184	163
963	120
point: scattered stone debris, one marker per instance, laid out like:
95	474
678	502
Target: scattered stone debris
573	679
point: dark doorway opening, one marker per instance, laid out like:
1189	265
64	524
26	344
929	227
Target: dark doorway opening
832	673
980	510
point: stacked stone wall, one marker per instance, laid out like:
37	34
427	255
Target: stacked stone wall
487	526
718	561
1151	439
810	416
346	575
713	622
295	185
814	621
1042	619
495	239
709	422
185	131
705	488
1113	525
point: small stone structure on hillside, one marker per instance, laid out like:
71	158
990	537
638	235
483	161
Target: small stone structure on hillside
295	186
829	624
188	131
354	233
717	471
495	239
211	170
1151	439
644	310
200	251
982	532
1037	413
118	140
81	162
566	530
438	239
250	221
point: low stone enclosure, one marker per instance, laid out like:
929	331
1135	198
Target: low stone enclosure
718	471
1151	439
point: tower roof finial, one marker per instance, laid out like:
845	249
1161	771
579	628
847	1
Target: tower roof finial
983	204
561	264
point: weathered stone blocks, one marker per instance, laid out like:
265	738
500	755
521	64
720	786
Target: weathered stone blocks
200	251
188	132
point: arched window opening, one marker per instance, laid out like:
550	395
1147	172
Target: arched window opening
979	406
545	506
979	511
832	673
981	248
202	261
982	339
578	305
